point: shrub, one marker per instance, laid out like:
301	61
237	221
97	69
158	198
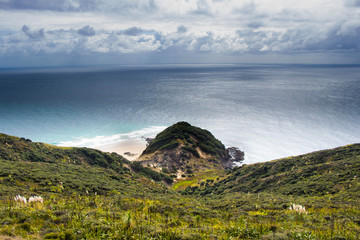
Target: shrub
24	226
60	236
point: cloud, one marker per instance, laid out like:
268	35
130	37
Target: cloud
335	37
208	27
203	8
86	31
133	31
352	3
58	5
33	34
339	37
182	29
254	24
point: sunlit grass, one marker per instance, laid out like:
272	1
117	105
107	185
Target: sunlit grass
196	180
172	216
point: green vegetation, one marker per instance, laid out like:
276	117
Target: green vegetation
20	149
190	136
28	167
198	180
89	194
147	172
171	216
187	151
319	173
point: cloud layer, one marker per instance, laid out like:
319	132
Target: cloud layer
214	27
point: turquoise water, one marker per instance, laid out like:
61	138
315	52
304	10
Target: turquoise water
270	111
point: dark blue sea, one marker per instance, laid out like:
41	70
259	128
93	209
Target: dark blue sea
269	111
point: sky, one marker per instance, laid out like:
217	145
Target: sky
80	32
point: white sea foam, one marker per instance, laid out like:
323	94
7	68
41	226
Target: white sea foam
97	141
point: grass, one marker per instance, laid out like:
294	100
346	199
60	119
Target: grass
319	173
196	180
172	216
28	167
190	136
93	195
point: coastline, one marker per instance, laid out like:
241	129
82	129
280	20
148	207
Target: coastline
133	142
134	146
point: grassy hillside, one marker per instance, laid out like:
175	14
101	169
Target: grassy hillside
20	149
318	173
190	137
88	194
28	167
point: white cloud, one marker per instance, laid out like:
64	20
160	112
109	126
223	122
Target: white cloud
183	26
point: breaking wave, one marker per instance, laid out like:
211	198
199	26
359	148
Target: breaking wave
116	138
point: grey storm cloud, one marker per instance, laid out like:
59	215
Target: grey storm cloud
86	31
33	34
52	5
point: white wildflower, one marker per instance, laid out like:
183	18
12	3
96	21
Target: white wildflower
36	199
21	199
298	208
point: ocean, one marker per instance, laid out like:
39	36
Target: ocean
268	111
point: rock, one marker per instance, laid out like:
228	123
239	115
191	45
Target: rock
130	154
148	140
236	155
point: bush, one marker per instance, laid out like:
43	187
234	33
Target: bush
147	172
24	226
60	236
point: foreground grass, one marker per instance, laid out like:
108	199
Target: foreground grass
93	195
172	216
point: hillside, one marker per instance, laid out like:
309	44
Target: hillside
27	166
319	173
88	194
186	150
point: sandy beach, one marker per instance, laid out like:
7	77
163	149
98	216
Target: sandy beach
134	147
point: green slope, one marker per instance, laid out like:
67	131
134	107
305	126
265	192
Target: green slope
28	167
20	149
182	133
251	202
318	173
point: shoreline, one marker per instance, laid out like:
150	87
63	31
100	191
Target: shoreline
133	147
133	143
